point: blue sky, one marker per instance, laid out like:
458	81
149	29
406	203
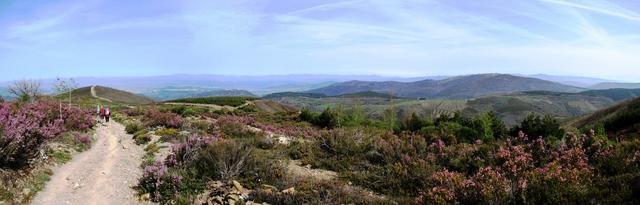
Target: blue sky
45	38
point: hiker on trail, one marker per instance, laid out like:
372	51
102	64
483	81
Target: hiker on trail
98	113
101	112
107	114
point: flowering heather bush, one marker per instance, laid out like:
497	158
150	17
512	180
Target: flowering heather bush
77	119
154	118
133	112
164	180
185	151
152	179
24	129
83	138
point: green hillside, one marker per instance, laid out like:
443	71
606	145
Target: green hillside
233	101
616	94
622	119
106	95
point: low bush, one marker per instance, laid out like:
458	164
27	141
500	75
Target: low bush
311	191
133	112
25	128
537	126
224	160
201	159
132	127
168	133
200	125
155	118
142	137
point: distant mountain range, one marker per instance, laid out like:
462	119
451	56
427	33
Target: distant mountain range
178	86
459	87
256	84
577	81
611	85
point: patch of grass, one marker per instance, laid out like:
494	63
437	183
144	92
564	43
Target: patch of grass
61	156
41	180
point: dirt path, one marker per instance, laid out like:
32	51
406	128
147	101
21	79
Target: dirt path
102	175
93	94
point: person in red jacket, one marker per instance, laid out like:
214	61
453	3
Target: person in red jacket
102	112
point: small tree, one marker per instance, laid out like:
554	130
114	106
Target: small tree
25	90
536	126
390	119
307	115
65	86
328	119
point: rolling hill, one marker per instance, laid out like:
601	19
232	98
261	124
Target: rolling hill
293	94
231	92
178	92
269	106
616	94
512	108
611	85
577	81
368	94
622	119
460	87
106	94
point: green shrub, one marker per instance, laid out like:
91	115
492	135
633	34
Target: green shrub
133	127
142	137
224	160
535	126
307	115
167	132
200	125
328	119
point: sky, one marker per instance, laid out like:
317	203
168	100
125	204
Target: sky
49	38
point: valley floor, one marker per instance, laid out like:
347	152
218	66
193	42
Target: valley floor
102	175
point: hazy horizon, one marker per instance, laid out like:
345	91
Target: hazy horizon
407	38
345	76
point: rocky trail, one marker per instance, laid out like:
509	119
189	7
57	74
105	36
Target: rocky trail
103	174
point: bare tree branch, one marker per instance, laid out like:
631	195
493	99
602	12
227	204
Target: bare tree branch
26	90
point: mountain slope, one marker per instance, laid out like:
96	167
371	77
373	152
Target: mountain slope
232	92
112	95
512	108
621	119
577	81
616	94
611	85
293	94
460	87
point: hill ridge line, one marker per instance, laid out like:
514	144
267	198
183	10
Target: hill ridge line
93	94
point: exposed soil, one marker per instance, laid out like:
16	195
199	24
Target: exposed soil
103	174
